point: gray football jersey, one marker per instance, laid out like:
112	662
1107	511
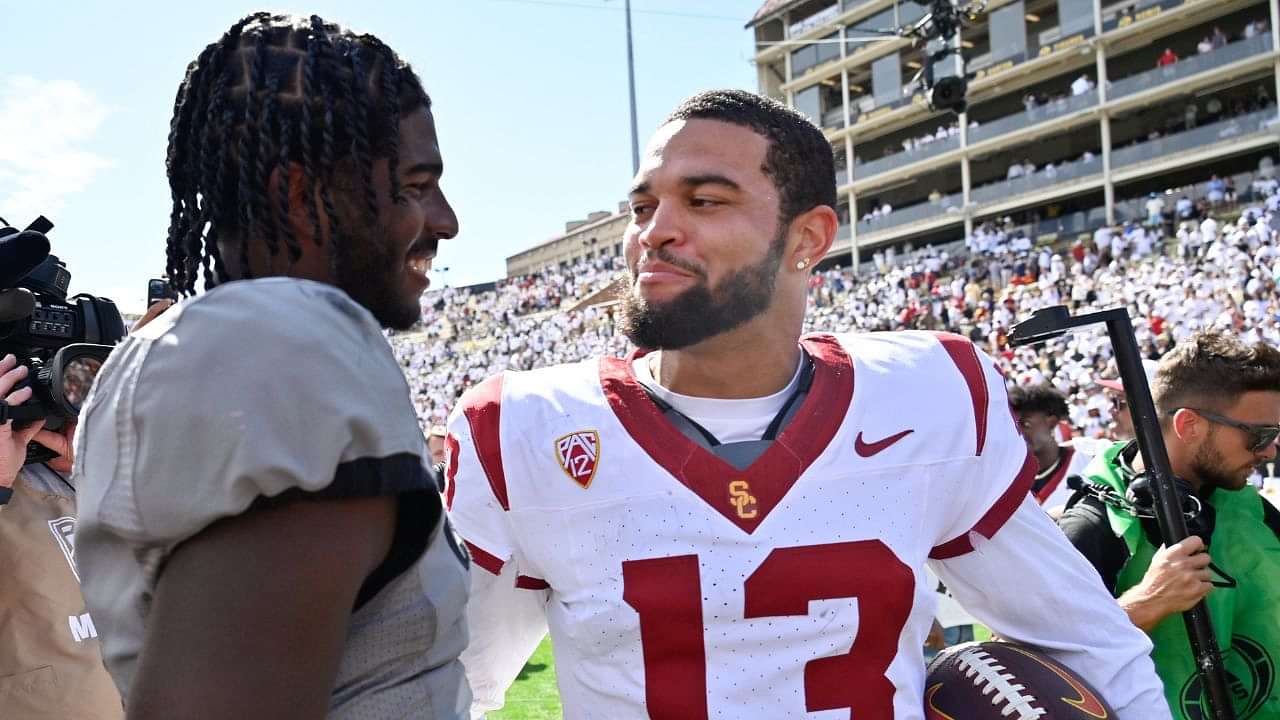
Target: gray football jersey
255	389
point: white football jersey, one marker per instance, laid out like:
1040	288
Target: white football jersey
677	587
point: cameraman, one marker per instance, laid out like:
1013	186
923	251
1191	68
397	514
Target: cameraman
50	660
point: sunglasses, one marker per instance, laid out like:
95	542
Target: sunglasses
1260	436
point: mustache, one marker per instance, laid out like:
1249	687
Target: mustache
662	255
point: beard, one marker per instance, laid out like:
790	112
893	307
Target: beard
368	267
1211	469
701	312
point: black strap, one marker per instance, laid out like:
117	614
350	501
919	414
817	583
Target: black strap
5	494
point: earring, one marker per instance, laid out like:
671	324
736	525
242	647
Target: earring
802	264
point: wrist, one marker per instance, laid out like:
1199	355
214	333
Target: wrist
1144	610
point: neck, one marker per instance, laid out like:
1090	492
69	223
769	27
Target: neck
1047	455
1180	465
751	361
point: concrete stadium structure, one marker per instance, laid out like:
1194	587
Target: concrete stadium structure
1125	131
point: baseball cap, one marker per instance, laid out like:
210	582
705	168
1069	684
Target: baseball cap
1149	368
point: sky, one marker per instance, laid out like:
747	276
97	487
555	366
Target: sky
530	100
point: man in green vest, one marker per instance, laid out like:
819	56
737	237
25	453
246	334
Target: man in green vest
1219	405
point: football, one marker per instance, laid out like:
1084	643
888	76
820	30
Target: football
1003	681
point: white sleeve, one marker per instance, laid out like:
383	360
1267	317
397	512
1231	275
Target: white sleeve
505	624
1031	586
506	612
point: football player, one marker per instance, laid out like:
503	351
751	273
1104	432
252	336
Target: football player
734	521
1040	410
260	537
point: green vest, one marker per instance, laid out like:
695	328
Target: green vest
1246	618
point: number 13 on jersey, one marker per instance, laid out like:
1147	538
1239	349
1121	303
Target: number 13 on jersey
667	595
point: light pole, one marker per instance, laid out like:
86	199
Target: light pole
631	86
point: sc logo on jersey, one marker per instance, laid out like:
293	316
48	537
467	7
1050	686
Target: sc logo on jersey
742	499
579	454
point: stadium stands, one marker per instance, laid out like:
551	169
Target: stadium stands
1203	264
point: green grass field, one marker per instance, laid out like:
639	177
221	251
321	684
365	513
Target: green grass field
534	695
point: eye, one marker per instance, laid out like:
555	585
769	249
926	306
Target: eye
413	191
640	210
705	202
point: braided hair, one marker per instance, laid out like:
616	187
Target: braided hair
275	90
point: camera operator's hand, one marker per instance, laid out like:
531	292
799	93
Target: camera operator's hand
59	441
152	313
13	443
1179	577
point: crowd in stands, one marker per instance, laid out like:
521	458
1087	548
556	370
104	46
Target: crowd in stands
1213	268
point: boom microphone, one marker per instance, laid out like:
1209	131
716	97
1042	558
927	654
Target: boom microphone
20	253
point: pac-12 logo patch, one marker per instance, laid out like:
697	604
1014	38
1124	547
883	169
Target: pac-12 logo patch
579	455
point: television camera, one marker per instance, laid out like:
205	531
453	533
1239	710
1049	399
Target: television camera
62	340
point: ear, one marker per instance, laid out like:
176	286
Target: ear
815	230
1187	425
299	206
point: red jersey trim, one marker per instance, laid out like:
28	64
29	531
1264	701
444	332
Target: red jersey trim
484	559
451	471
774	473
1064	464
995	518
483	410
524	582
965	356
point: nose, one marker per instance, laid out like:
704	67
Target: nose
440	220
663	228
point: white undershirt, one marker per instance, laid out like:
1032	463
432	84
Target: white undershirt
729	420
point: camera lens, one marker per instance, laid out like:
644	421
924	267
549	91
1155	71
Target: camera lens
77	379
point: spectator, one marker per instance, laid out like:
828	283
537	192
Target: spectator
1217	191
935	196
1082	85
1155	210
1185	208
1189	115
1204	46
1219	38
435	444
1168	57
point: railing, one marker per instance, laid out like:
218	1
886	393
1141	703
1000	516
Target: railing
1194	139
833	119
1072	223
1039	180
897	160
1035	116
1190	66
915	213
842	177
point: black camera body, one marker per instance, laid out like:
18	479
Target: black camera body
62	340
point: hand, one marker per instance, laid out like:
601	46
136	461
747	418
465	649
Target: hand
1178	578
13	443
936	640
59	441
152	313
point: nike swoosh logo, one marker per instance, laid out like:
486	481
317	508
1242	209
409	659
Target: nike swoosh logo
1086	703
931	710
866	449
